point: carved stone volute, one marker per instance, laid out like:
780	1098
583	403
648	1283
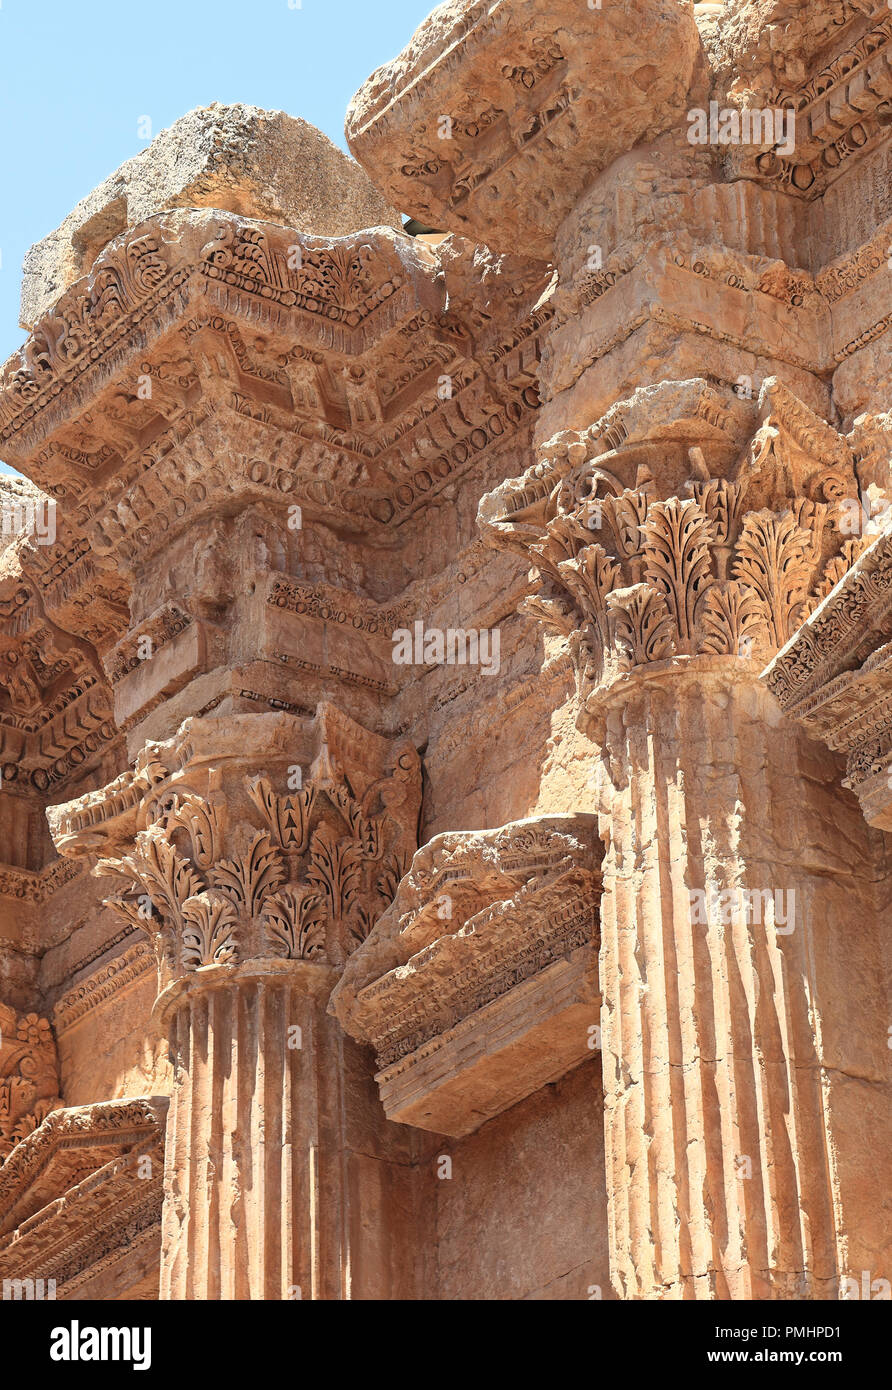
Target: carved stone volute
286	842
661	570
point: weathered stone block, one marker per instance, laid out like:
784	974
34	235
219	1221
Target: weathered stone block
262	164
479	984
505	1051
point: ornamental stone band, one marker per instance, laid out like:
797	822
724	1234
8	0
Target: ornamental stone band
446	681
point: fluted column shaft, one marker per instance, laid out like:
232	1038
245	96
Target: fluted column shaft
253	1186
719	1178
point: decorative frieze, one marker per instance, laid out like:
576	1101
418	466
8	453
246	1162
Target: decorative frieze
134	963
479	982
37	888
333	294
835	676
29	1076
80	1203
841	111
493	126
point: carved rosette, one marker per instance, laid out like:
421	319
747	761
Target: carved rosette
29	1076
722	566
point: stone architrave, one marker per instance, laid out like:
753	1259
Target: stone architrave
445	682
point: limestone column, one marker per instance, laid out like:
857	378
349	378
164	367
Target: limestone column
254	1202
254	894
716	877
690	506
730	857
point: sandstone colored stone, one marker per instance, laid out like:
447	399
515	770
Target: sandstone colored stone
454	128
469	1019
262	164
446	743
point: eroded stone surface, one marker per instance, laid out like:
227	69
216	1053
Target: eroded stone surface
456	127
479	985
262	164
447	739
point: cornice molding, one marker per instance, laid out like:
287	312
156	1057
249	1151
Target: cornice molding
503	920
110	980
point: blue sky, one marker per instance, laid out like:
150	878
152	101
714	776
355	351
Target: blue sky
77	75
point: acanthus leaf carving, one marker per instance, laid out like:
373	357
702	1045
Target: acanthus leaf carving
552	610
307	885
294	922
773	557
29	1076
721	503
731	620
365	830
288	817
626	515
677	561
169	877
642	626
209	932
733	575
590	581
838	567
334	869
201	819
393	871
250	877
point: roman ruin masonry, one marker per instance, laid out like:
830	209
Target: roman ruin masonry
446	710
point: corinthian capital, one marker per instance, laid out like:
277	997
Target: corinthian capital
253	838
665	534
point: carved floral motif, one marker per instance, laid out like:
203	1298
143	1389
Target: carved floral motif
633	577
29	1076
309	885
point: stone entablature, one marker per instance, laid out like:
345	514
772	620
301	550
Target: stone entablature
479	983
56	720
80	1203
236	157
457	132
698	283
37	888
268	434
214	390
496	117
835	677
355	336
842	111
146	402
109	981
